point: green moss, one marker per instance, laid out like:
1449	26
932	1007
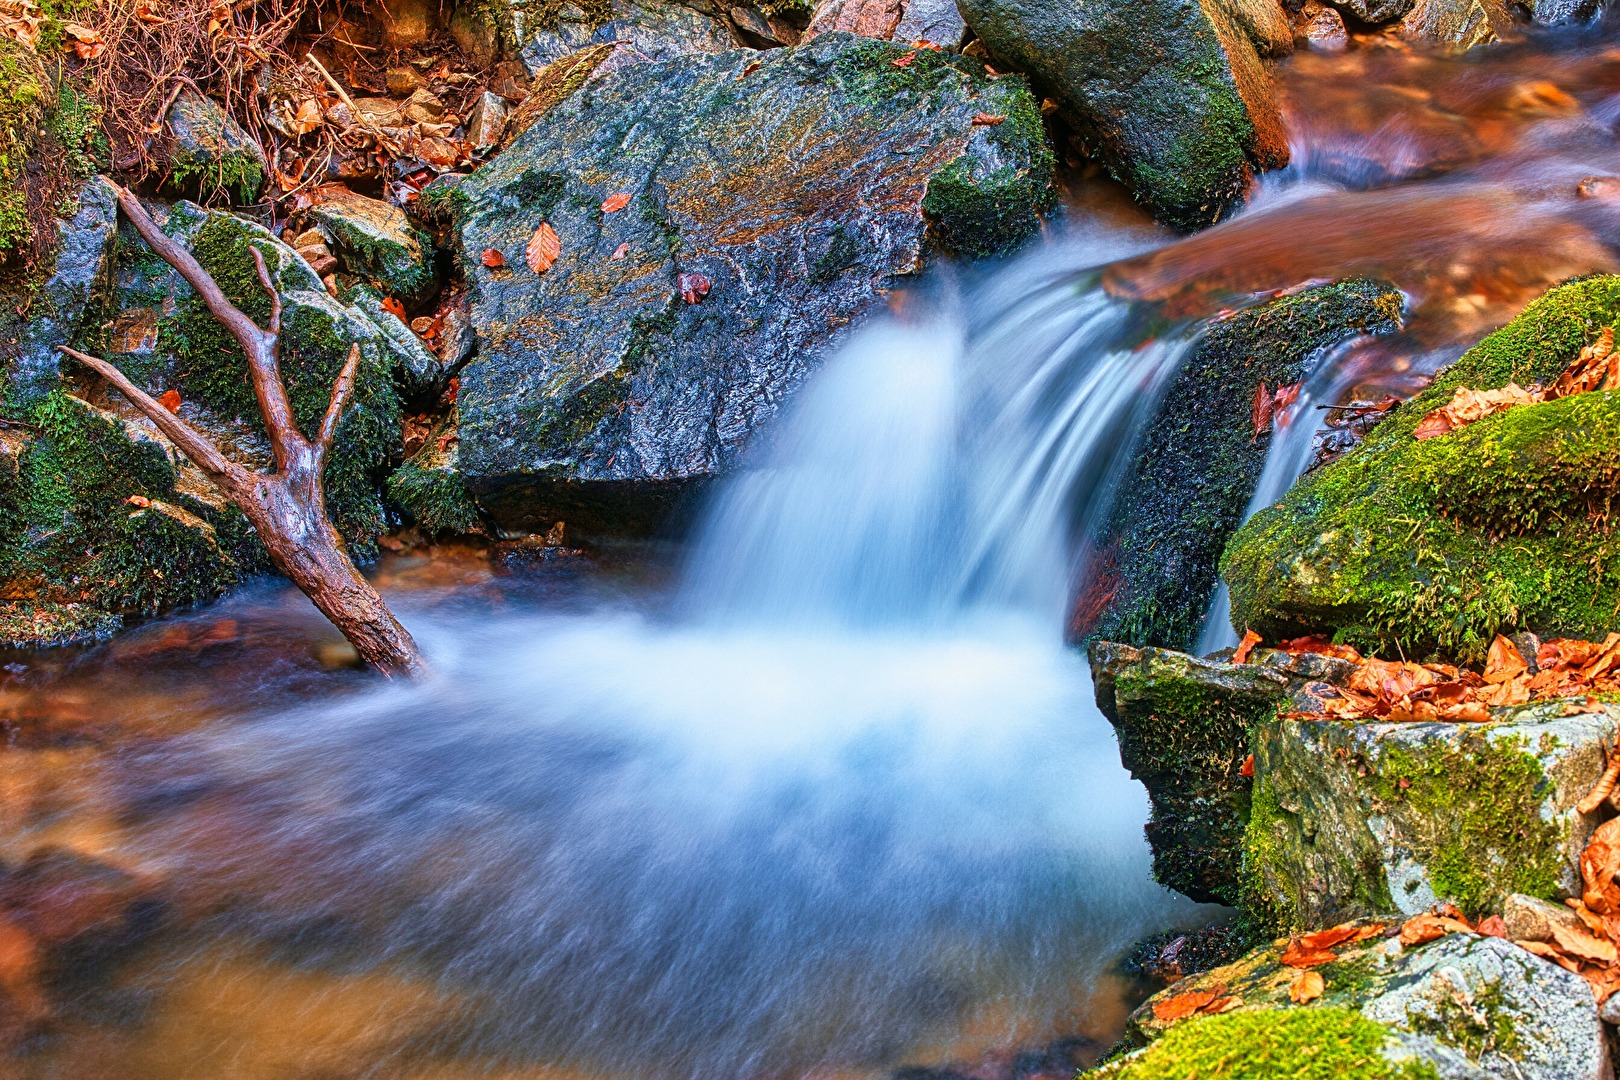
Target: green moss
1439	545
1473	815
1303	1044
435	497
549	15
1268	900
30	623
25	97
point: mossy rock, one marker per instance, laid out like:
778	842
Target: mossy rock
1191	482
377	242
1356	819
1438	546
50	142
209	156
1184	727
1460	1006
429	487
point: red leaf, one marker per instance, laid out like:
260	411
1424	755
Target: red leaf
1248	766
543	249
493	259
139	500
1245	647
1262	410
394	308
614	203
904	61
987	120
170	400
694	287
620	252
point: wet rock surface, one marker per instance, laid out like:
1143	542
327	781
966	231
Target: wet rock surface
1500	1009
377	242
1350	820
1192	480
1171	94
209	152
773	199
1459	24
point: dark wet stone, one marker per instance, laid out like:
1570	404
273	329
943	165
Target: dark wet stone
209	153
1193	477
1171	93
1558	12
57	309
1460	24
1374	11
803	184
376	242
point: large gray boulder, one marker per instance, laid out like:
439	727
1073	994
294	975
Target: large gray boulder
642	30
1170	93
782	192
1359	819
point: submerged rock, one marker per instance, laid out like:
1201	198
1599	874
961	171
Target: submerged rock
209	153
1460	24
773	199
1465	1005
1184	727
1350	820
1559	12
377	242
1374	11
1192	480
1171	93
1442	544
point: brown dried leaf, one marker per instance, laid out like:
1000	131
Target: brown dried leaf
1582	945
394	308
1298	956
1307	987
1492	926
492	259
1596	368
693	286
1504	661
620	252
544	247
1467	406
904	61
170	400
1262	410
1426	927
1245	647
988	120
1180	1006
1326	939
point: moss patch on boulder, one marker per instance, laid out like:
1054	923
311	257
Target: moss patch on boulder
1437	546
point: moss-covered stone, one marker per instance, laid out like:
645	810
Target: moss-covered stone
32	623
1196	471
1357	819
429	487
1464	1005
209	156
1437	546
378	243
1330	1044
25	96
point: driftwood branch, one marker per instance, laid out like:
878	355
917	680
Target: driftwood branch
288	506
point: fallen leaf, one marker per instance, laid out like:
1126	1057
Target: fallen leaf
620	252
1326	939
87	43
1492	926
1247	768
1319	645
1504	661
1298	956
1179	1006
904	61
1582	945
1420	929
424	325
988	120
1467	406
1281	400
492	259
614	203
1596	368
170	400
752	67
1307	986
138	500
1245	647
693	286
1262	410
394	308
544	247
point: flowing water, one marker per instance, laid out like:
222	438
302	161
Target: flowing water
818	792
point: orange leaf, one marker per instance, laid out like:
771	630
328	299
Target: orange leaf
1326	939
394	308
1492	926
139	500
1182	1005
1311	643
1504	661
988	120
1298	957
615	203
1582	945
543	249
1262	410
694	287
904	61
1426	927
620	252
1245	647
492	259
170	400
1248	766
1307	986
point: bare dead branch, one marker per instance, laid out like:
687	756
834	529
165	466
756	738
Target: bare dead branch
342	390
190	441
269	288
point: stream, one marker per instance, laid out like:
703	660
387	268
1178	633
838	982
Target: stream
816	790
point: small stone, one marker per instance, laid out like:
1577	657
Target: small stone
377	241
423	107
336	655
1599	187
1326	32
1461	24
407	24
936	21
1530	919
404	81
751	22
1374	11
209	153
488	120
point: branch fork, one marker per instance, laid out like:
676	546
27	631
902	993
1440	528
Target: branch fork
287	506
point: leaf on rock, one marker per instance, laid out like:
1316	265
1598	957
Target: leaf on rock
1596	368
1180	1006
170	400
1327	939
1247	768
1262	410
693	286
988	120
1307	987
620	252
904	61
1492	926
492	259
616	202
1429	926
1245	647
1312	643
1299	956
1467	406
394	308
544	247
1504	662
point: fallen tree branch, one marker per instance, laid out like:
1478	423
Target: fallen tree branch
287	507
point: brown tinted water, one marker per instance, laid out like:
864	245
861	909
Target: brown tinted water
604	841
